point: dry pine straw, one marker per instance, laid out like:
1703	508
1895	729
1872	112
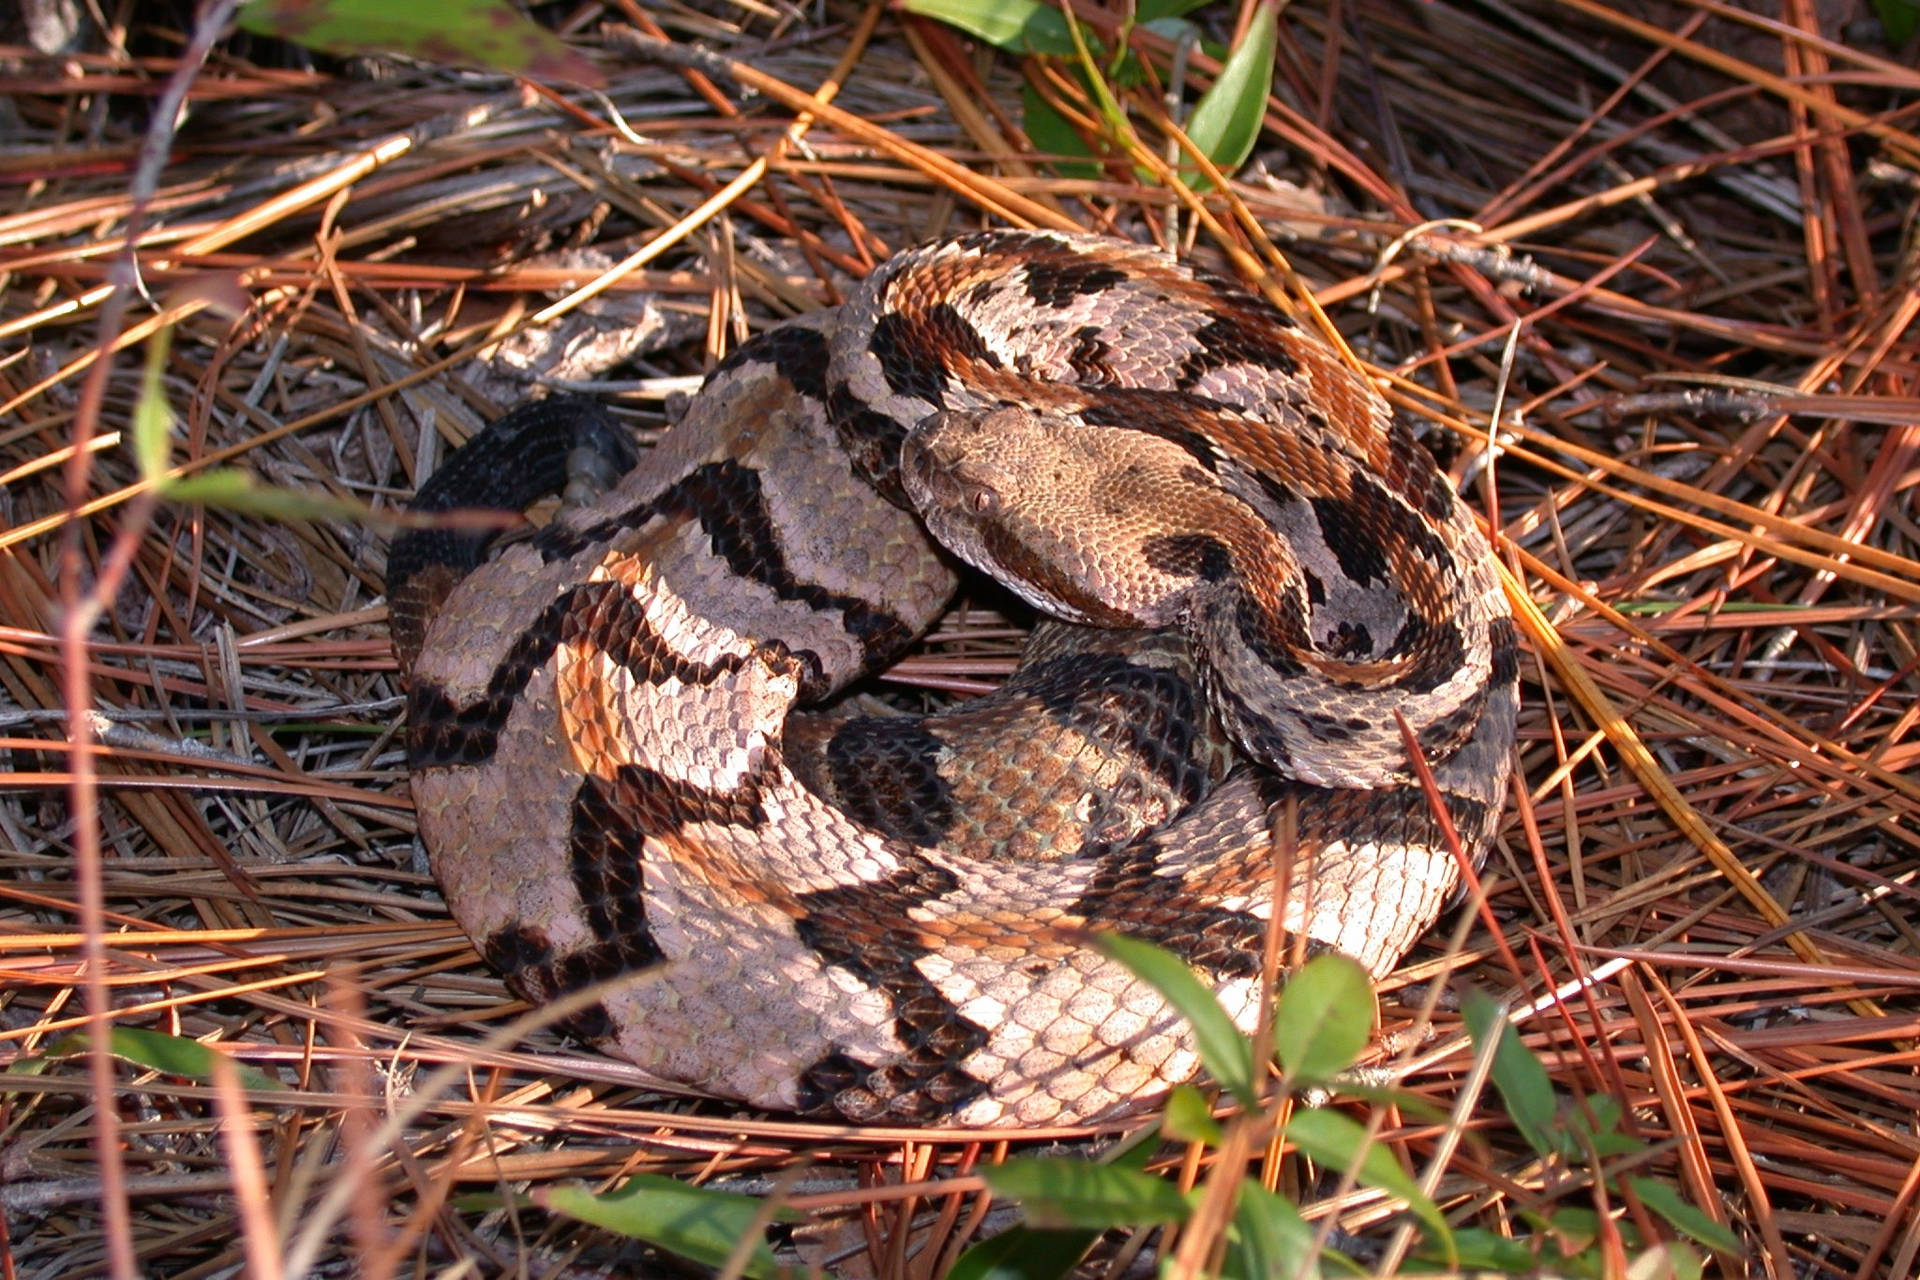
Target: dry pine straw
1706	487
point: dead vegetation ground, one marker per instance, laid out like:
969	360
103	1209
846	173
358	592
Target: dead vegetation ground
1673	244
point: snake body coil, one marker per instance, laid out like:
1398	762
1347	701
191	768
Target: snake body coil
626	759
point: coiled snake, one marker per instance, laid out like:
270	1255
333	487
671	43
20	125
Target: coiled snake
625	754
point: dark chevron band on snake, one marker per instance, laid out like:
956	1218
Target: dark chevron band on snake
634	771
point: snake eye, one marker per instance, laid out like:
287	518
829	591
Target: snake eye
983	500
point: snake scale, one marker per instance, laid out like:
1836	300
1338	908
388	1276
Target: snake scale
629	761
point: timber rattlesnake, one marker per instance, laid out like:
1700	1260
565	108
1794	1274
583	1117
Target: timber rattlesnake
624	755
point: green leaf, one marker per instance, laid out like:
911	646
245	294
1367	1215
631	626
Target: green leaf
1336	1140
1033	1253
169	1055
1051	135
1126	71
1900	18
1668	1203
1606	1111
1172	29
1268	1238
1188	1118
1324	1019
1611	1145
1667	1262
1575	1229
1018	26
1226	121
233	490
1112	115
694	1222
482	33
1523	1083
152	415
1483	1250
1059	1192
1603	1134
1154	10
1413	1104
485	1201
1134	1151
1024	1253
1223	1049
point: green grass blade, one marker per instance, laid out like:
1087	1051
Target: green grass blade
1666	1201
168	1054
1059	1192
1226	121
1523	1083
694	1222
1338	1142
1187	1117
1223	1049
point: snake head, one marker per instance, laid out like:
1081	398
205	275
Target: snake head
983	481
956	464
1066	513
